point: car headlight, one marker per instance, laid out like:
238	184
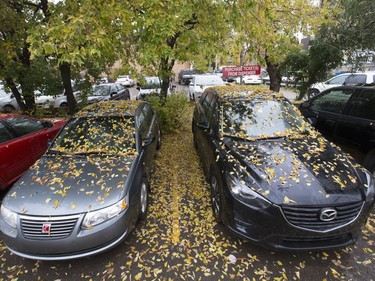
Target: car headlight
370	185
245	194
97	217
9	216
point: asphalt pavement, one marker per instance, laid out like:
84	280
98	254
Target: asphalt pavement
180	240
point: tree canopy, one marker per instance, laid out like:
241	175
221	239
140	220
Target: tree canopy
87	37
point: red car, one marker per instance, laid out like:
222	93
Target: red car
23	140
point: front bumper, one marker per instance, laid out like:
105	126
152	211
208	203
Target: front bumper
269	228
80	243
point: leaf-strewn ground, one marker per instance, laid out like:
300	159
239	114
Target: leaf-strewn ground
181	241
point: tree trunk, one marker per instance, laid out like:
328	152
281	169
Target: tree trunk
66	79
165	71
274	73
16	93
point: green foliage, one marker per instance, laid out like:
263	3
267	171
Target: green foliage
173	113
312	65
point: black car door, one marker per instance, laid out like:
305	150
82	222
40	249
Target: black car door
326	109
148	131
201	125
356	129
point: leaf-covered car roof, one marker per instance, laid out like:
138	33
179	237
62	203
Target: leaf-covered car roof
110	108
244	92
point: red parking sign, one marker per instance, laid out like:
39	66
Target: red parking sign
241	70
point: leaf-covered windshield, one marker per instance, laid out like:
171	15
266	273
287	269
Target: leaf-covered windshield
112	135
261	118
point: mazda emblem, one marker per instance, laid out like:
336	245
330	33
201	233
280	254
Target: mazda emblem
327	214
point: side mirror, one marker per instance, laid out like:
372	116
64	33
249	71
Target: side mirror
203	125
305	104
47	124
138	88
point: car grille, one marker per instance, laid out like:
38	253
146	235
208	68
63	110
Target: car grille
309	217
47	227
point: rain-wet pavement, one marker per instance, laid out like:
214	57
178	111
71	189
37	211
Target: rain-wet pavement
180	240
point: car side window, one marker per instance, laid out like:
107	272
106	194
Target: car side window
141	118
356	79
213	116
338	80
25	125
333	101
364	107
147	114
5	135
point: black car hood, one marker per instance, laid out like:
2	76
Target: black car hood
308	171
62	185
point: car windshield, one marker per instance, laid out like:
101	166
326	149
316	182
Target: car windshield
112	135
261	119
151	83
100	90
209	81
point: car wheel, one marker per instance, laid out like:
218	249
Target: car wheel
64	104
144	200
312	93
158	142
216	203
8	108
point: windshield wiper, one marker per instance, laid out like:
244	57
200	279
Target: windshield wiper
255	138
55	151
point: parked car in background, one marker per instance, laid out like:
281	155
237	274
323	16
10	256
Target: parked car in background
90	187
274	179
58	101
23	140
201	82
250	80
346	116
8	103
125	80
148	85
186	75
347	79
108	91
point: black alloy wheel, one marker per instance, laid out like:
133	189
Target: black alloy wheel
158	141
144	200
216	198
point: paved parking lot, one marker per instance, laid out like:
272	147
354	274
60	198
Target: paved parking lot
181	240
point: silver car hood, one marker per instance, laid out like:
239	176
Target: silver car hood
62	185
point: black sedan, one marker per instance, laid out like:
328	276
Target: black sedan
87	192
274	180
108	91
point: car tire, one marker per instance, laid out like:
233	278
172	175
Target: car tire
144	200
312	93
216	201
8	108
158	140
64	104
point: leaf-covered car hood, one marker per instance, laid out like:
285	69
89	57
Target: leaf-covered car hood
308	171
62	185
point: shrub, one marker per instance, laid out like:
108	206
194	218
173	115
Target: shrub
174	113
